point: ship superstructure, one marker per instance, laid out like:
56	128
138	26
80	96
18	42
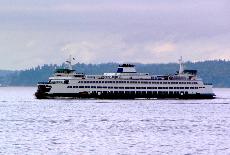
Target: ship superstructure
126	83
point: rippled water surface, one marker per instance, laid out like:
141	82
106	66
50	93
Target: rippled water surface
180	127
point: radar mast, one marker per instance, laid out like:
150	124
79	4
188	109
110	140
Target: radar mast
69	62
181	70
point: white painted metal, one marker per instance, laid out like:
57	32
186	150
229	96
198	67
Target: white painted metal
128	80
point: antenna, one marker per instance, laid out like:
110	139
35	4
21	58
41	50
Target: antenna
181	70
69	61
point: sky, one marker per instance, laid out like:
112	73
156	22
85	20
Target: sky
37	32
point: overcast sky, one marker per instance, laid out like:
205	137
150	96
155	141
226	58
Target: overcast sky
35	32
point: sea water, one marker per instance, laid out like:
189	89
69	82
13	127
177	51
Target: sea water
92	126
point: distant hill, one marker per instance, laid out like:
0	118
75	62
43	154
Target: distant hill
216	72
5	72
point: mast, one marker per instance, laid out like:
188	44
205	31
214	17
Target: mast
69	62
181	70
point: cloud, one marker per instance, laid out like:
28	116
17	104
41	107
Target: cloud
110	6
36	32
96	50
37	48
164	47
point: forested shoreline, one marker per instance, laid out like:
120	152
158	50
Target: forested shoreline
216	72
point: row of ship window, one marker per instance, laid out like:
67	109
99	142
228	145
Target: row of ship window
141	92
105	87
143	82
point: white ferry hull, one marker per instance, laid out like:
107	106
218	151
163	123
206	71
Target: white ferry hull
47	91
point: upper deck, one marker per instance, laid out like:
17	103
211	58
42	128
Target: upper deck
124	71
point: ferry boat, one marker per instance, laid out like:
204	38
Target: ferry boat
126	83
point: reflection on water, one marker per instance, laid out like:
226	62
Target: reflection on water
30	126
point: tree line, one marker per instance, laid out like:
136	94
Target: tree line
216	72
